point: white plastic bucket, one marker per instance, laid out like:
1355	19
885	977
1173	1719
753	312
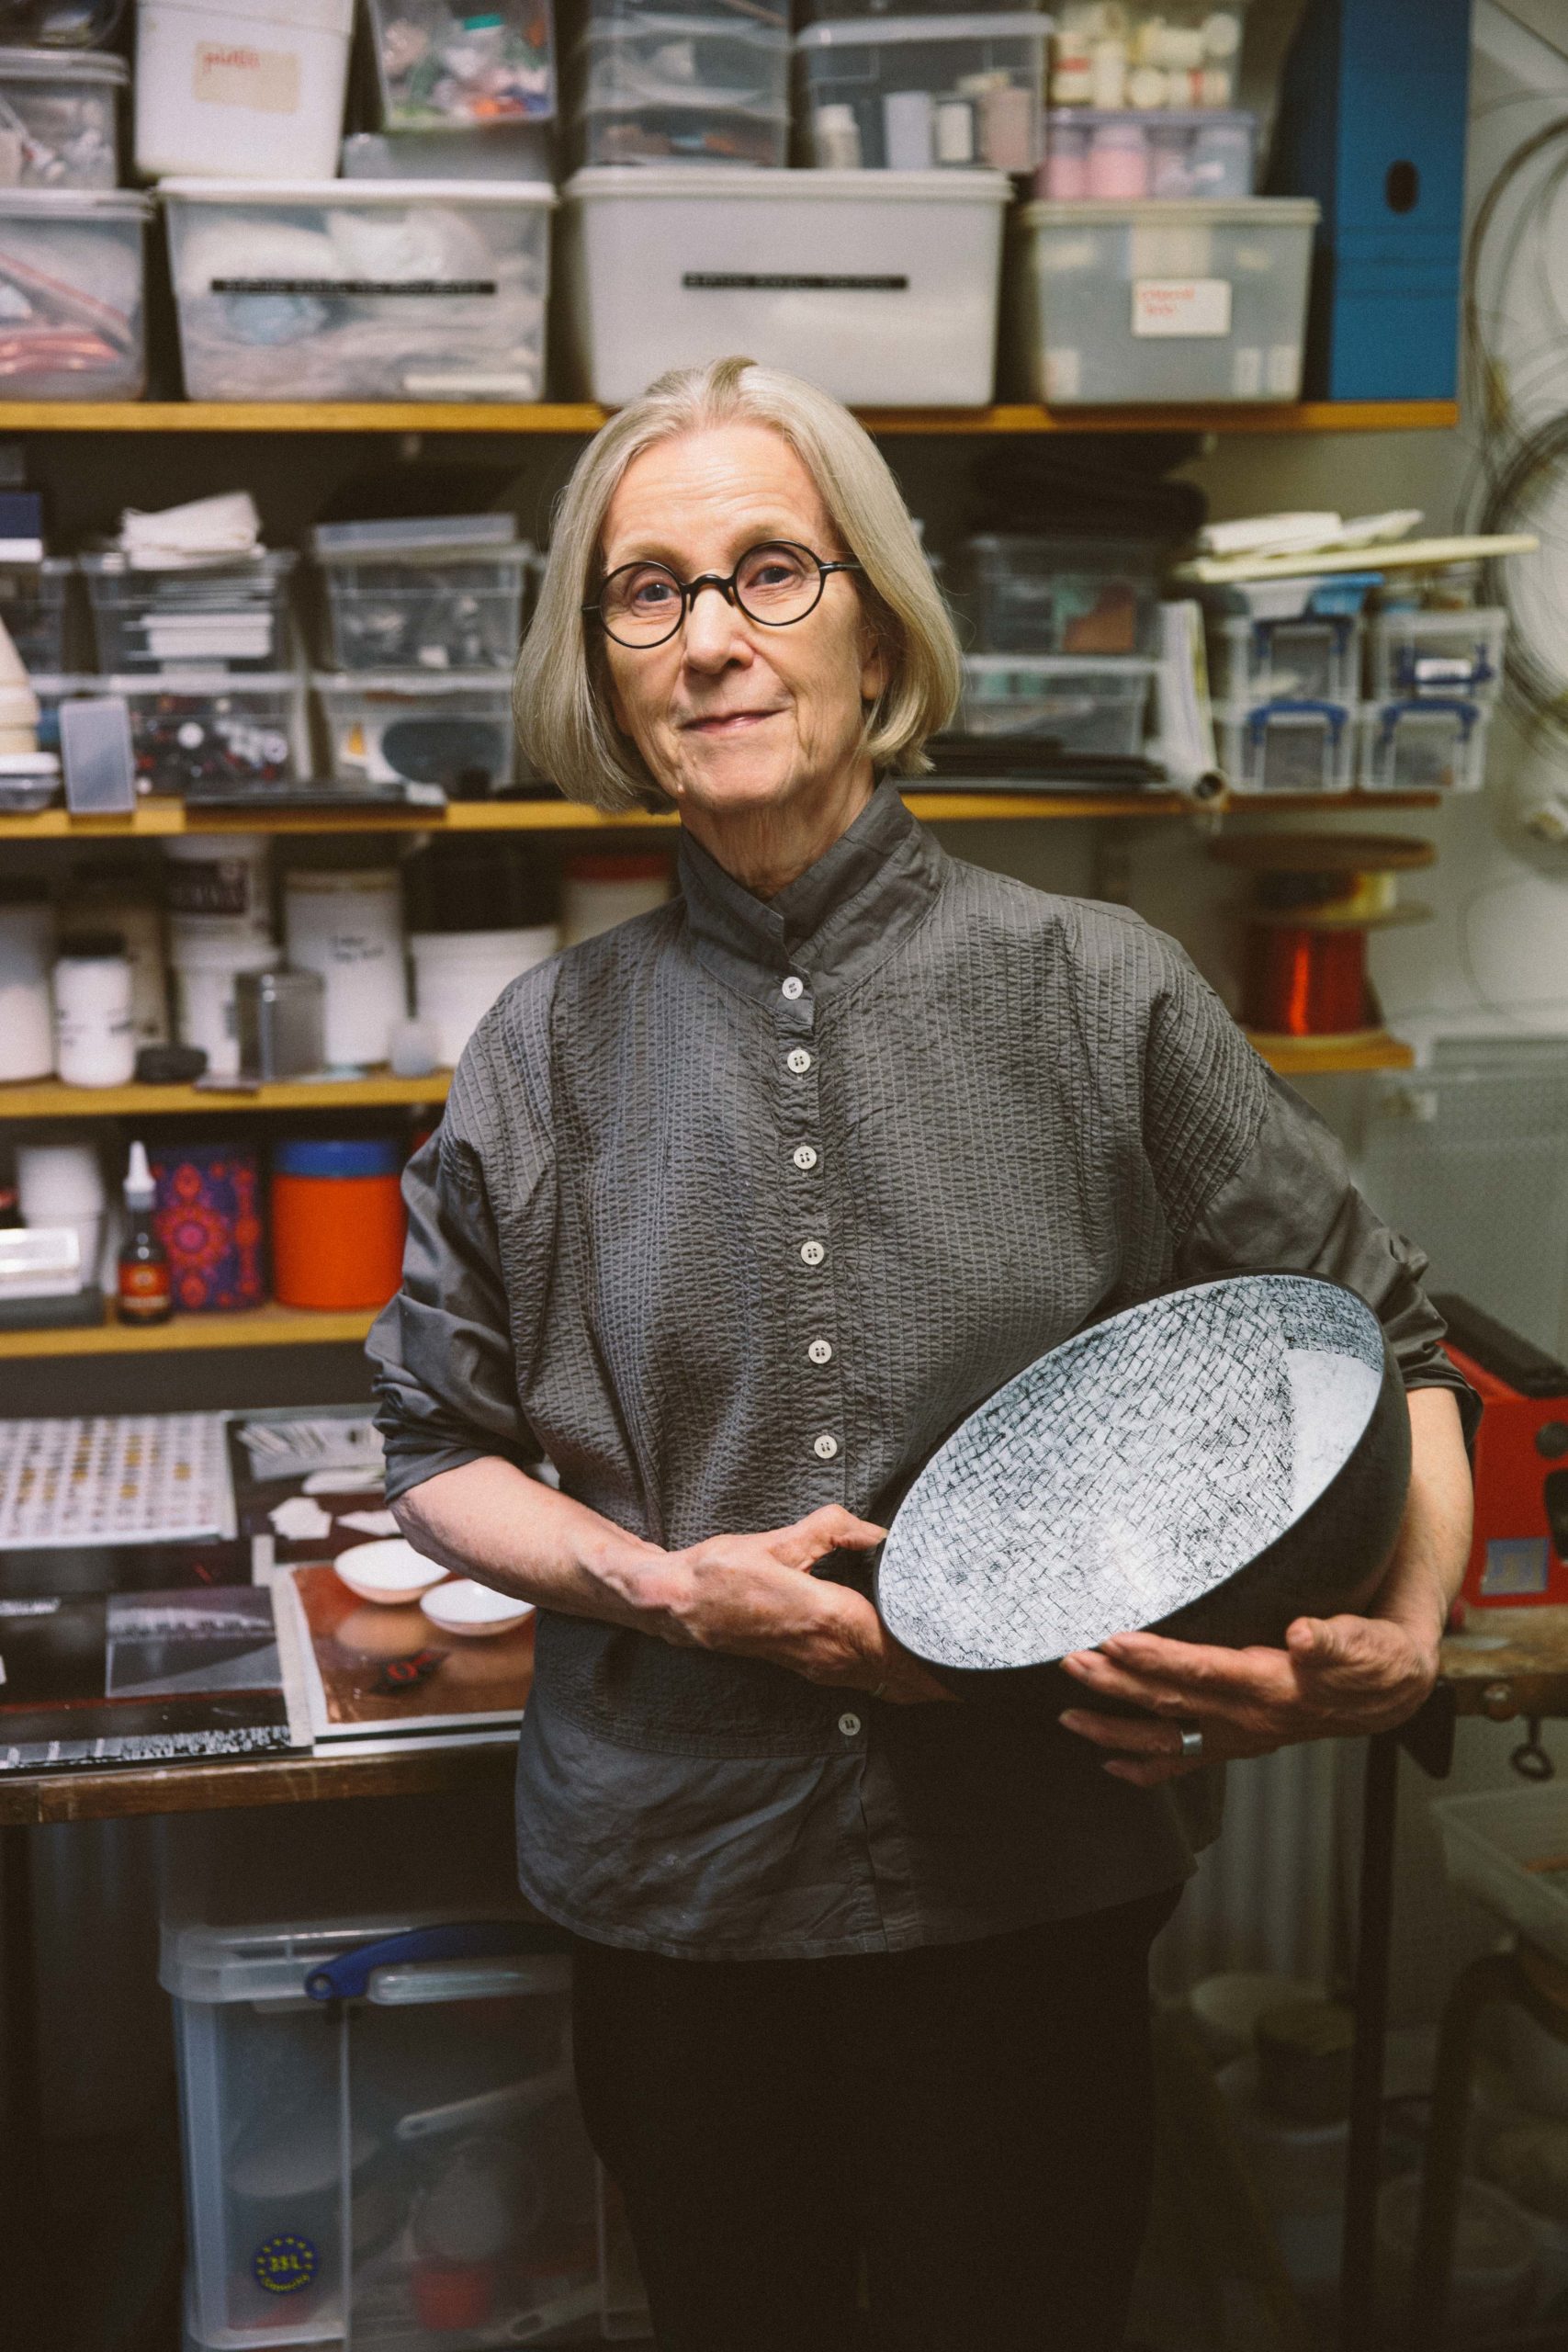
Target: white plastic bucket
247	92
457	975
349	927
206	1010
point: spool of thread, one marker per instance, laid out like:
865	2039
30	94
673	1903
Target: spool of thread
1316	896
1302	982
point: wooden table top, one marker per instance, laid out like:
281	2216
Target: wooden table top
1509	1662
29	1798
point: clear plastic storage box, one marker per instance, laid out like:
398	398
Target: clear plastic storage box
442	65
210	731
1287	747
1435	744
1056	595
1122	304
33	604
449	730
60	118
230	616
360	290
397	2156
1313	658
51	688
882	290
1147	53
72	293
1437	654
1077	702
1123	156
915	92
668	86
447	593
1505	1848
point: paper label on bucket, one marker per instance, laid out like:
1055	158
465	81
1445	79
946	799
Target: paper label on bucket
1181	306
233	73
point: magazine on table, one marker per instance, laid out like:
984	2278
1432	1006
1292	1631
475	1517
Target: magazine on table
370	1673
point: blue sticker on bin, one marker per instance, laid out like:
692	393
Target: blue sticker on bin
285	2263
1514	1564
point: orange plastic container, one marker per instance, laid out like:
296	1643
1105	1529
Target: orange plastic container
337	1223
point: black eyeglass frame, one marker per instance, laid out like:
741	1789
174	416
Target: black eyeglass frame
727	586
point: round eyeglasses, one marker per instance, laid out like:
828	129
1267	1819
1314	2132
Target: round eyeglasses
775	584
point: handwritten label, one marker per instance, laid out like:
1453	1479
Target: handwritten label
233	73
1181	306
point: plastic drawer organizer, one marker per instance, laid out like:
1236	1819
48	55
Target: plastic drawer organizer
32	608
1047	595
449	730
223	617
209	730
673	87
1145	54
58	117
382	2136
438	595
1123	156
1310	657
1298	746
1423	653
71	294
1436	743
360	290
888	285
445	66
909	93
1127	303
1081	702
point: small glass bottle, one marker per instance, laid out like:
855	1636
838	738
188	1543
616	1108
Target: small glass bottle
143	1290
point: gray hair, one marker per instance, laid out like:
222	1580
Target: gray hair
560	691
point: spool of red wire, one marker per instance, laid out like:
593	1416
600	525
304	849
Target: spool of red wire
1302	982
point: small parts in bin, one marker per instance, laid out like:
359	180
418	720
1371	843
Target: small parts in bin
186	740
71	293
1123	157
57	119
1108	54
442	65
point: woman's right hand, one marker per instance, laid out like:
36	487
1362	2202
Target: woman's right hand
754	1596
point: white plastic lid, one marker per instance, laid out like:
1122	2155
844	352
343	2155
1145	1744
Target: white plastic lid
402	535
41	763
301	16
1168	213
62	65
339	195
726	182
675	27
876	32
74	204
262	563
1151	118
232	684
1132	667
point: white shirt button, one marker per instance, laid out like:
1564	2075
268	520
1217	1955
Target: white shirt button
850	1725
804	1156
798	1061
824	1447
793	987
813	1252
820	1352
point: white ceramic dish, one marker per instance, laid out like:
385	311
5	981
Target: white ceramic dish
390	1571
460	1606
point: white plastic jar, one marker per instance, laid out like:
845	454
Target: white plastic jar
349	927
206	1011
94	1036
457	975
252	91
602	887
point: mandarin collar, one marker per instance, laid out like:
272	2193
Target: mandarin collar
833	922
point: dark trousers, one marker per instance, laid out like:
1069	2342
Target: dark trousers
973	2122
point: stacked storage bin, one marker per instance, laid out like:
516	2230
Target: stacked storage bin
71	239
1147	271
1286	690
424	617
425	276
883	287
1433	677
1065	670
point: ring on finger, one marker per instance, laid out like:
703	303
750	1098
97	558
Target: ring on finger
1191	1749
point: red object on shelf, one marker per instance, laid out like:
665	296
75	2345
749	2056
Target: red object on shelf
1302	982
451	2295
337	1224
1519	1553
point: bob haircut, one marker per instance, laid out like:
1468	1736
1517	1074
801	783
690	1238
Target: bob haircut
560	693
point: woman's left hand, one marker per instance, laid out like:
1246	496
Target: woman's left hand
1337	1677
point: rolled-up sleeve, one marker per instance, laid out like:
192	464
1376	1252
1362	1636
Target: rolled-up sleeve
1283	1195
444	1351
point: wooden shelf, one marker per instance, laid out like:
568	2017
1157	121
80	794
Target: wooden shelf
585	417
46	1098
1302	1058
463	1767
157	818
258	1326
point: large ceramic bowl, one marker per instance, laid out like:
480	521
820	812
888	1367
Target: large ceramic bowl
1210	1464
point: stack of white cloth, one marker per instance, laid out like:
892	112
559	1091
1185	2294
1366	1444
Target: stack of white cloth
225	529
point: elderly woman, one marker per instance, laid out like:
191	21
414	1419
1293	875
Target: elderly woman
735	1210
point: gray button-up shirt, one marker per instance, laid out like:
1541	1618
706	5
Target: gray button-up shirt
737	1210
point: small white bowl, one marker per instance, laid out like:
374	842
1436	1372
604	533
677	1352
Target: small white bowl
390	1571
463	1607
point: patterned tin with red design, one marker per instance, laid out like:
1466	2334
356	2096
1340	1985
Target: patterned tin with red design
208	1218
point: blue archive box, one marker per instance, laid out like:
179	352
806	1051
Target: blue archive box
1371	122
